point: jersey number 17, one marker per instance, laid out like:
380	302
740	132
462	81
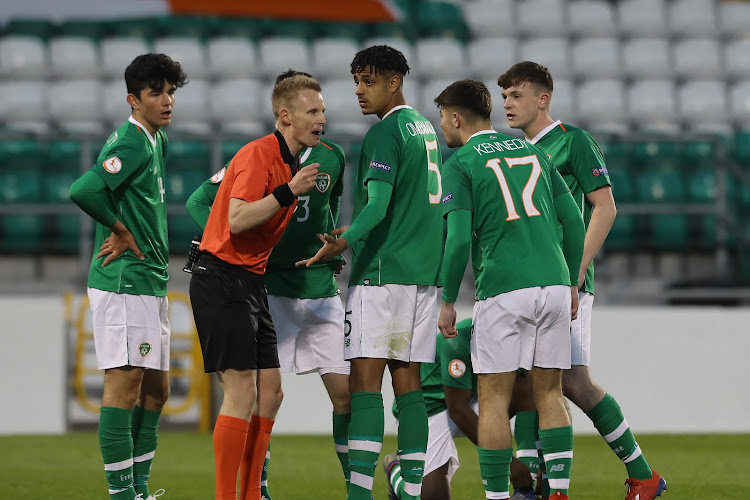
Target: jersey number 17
528	192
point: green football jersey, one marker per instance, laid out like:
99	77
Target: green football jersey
311	217
509	186
452	367
132	164
580	162
406	247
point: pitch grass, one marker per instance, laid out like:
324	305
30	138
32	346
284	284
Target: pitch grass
701	467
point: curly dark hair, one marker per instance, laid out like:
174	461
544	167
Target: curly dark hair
150	70
526	72
381	59
470	96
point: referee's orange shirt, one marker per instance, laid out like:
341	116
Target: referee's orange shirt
253	173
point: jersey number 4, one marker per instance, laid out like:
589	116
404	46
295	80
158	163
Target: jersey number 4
528	192
434	184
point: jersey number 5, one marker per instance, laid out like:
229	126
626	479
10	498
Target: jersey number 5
528	192
434	185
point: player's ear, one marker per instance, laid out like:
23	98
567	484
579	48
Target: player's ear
394	83
544	99
133	101
285	116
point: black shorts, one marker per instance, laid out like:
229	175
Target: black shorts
230	307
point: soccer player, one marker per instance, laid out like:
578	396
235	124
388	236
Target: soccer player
127	285
254	203
396	238
527	93
450	392
506	195
307	313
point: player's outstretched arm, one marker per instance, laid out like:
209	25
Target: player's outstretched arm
457	247
458	402
602	217
198	206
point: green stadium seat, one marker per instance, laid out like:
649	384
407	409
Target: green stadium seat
146	28
669	232
181	229
22	233
441	19
657	154
355	31
700	154
186	26
82	29
66	156
188	155
39	28
296	28
66	238
229	149
405	31
661	185
622	185
702	185
240	27
741	149
622	234
182	183
20	178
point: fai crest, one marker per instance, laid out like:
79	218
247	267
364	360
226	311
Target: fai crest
323	182
144	349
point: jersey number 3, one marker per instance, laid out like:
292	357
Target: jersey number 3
434	187
528	192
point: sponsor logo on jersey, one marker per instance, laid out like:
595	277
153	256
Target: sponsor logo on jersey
457	368
112	164
144	349
448	197
380	166
218	176
602	170
323	182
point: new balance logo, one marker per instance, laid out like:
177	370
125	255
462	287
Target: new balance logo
557	468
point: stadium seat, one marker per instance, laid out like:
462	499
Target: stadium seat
115	109
332	58
66	157
601	104
733	18
440	19
642	18
440	56
232	57
737	58
74	57
189	52
118	53
622	183
279	54
597	56
191	108
490	57
591	18
343	114
236	111
491	18
23	57
228	150
657	154
741	147
647	58
73	113
701	154
81	28
64	236
697	58
702	185
563	105
541	18
145	28
401	44
198	27
24	106
22	234
292	28
652	106
399	31
669	232
352	31
550	52
181	229
739	103
703	106
694	17
430	90
188	165
240	27
621	236
36	28
661	185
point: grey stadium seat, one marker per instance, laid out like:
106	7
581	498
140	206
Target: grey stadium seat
189	52
693	18
236	111
118	53
591	18
598	57
491	57
647	58
737	58
698	58
652	106
70	112
441	56
23	57
74	57
24	106
191	111
739	103
601	104
491	18
332	57
278	54
541	17
703	105
550	52
642	17
733	18
563	105
232	57
343	115
115	108
430	90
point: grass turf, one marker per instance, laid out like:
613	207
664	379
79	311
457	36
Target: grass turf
705	467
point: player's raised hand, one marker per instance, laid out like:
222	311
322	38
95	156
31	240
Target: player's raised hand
447	320
332	247
120	241
304	180
573	302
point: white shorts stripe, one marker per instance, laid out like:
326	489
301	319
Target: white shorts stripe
119	465
557	456
372	446
268	454
559	484
497	495
413	456
527	454
144	457
361	480
637	453
342	448
412	489
264	483
615	434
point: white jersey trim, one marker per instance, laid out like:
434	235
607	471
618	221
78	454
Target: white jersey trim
402	106
544	132
305	155
488	131
148	134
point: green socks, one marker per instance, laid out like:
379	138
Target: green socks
341	440
557	446
264	494
525	433
412	442
116	443
611	424
365	441
144	429
494	466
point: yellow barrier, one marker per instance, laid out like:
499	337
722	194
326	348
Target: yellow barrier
198	383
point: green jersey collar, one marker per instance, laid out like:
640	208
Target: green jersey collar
145	130
544	132
482	132
402	106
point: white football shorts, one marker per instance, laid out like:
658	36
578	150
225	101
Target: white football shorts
521	329
130	330
310	334
580	331
441	445
391	322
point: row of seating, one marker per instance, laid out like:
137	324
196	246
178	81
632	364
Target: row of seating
243	107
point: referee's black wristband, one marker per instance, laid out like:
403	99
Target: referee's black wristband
284	195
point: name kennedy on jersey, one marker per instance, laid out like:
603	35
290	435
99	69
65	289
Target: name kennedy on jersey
499	147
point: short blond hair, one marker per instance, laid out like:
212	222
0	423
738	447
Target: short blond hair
286	91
